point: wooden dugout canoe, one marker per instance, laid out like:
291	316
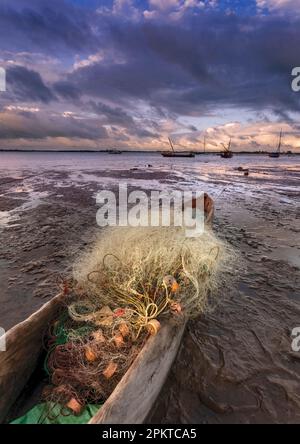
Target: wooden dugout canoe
133	397
135	394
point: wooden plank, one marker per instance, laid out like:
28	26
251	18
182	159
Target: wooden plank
23	347
134	396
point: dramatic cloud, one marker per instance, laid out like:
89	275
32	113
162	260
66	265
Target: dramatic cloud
28	85
32	124
162	64
129	73
279	6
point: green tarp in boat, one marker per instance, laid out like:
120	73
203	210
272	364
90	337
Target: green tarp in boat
47	413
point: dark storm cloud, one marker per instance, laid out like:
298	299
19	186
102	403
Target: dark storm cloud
144	133
112	115
201	62
120	118
136	78
26	125
66	90
27	85
46	26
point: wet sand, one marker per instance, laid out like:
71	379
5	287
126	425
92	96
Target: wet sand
236	363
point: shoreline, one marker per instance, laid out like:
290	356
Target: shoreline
197	152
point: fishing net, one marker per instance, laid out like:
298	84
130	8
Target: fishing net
84	362
122	290
152	272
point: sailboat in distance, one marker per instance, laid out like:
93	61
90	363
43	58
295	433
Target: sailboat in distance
276	154
227	153
114	151
173	153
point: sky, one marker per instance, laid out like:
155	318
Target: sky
91	74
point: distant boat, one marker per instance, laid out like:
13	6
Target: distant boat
173	153
227	153
114	152
277	153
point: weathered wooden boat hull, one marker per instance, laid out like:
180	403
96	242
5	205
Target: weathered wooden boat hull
23	348
178	155
274	155
133	397
226	155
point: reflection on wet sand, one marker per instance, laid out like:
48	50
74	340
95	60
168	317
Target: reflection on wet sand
236	364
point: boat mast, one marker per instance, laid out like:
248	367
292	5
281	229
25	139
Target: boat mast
229	145
280	140
171	143
227	148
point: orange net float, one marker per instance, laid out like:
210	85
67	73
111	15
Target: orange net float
110	370
175	287
124	329
90	355
75	406
171	282
118	340
153	327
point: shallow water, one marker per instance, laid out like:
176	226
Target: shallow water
276	178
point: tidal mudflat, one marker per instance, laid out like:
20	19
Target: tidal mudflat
236	363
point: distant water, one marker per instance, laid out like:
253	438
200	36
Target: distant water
266	173
88	160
